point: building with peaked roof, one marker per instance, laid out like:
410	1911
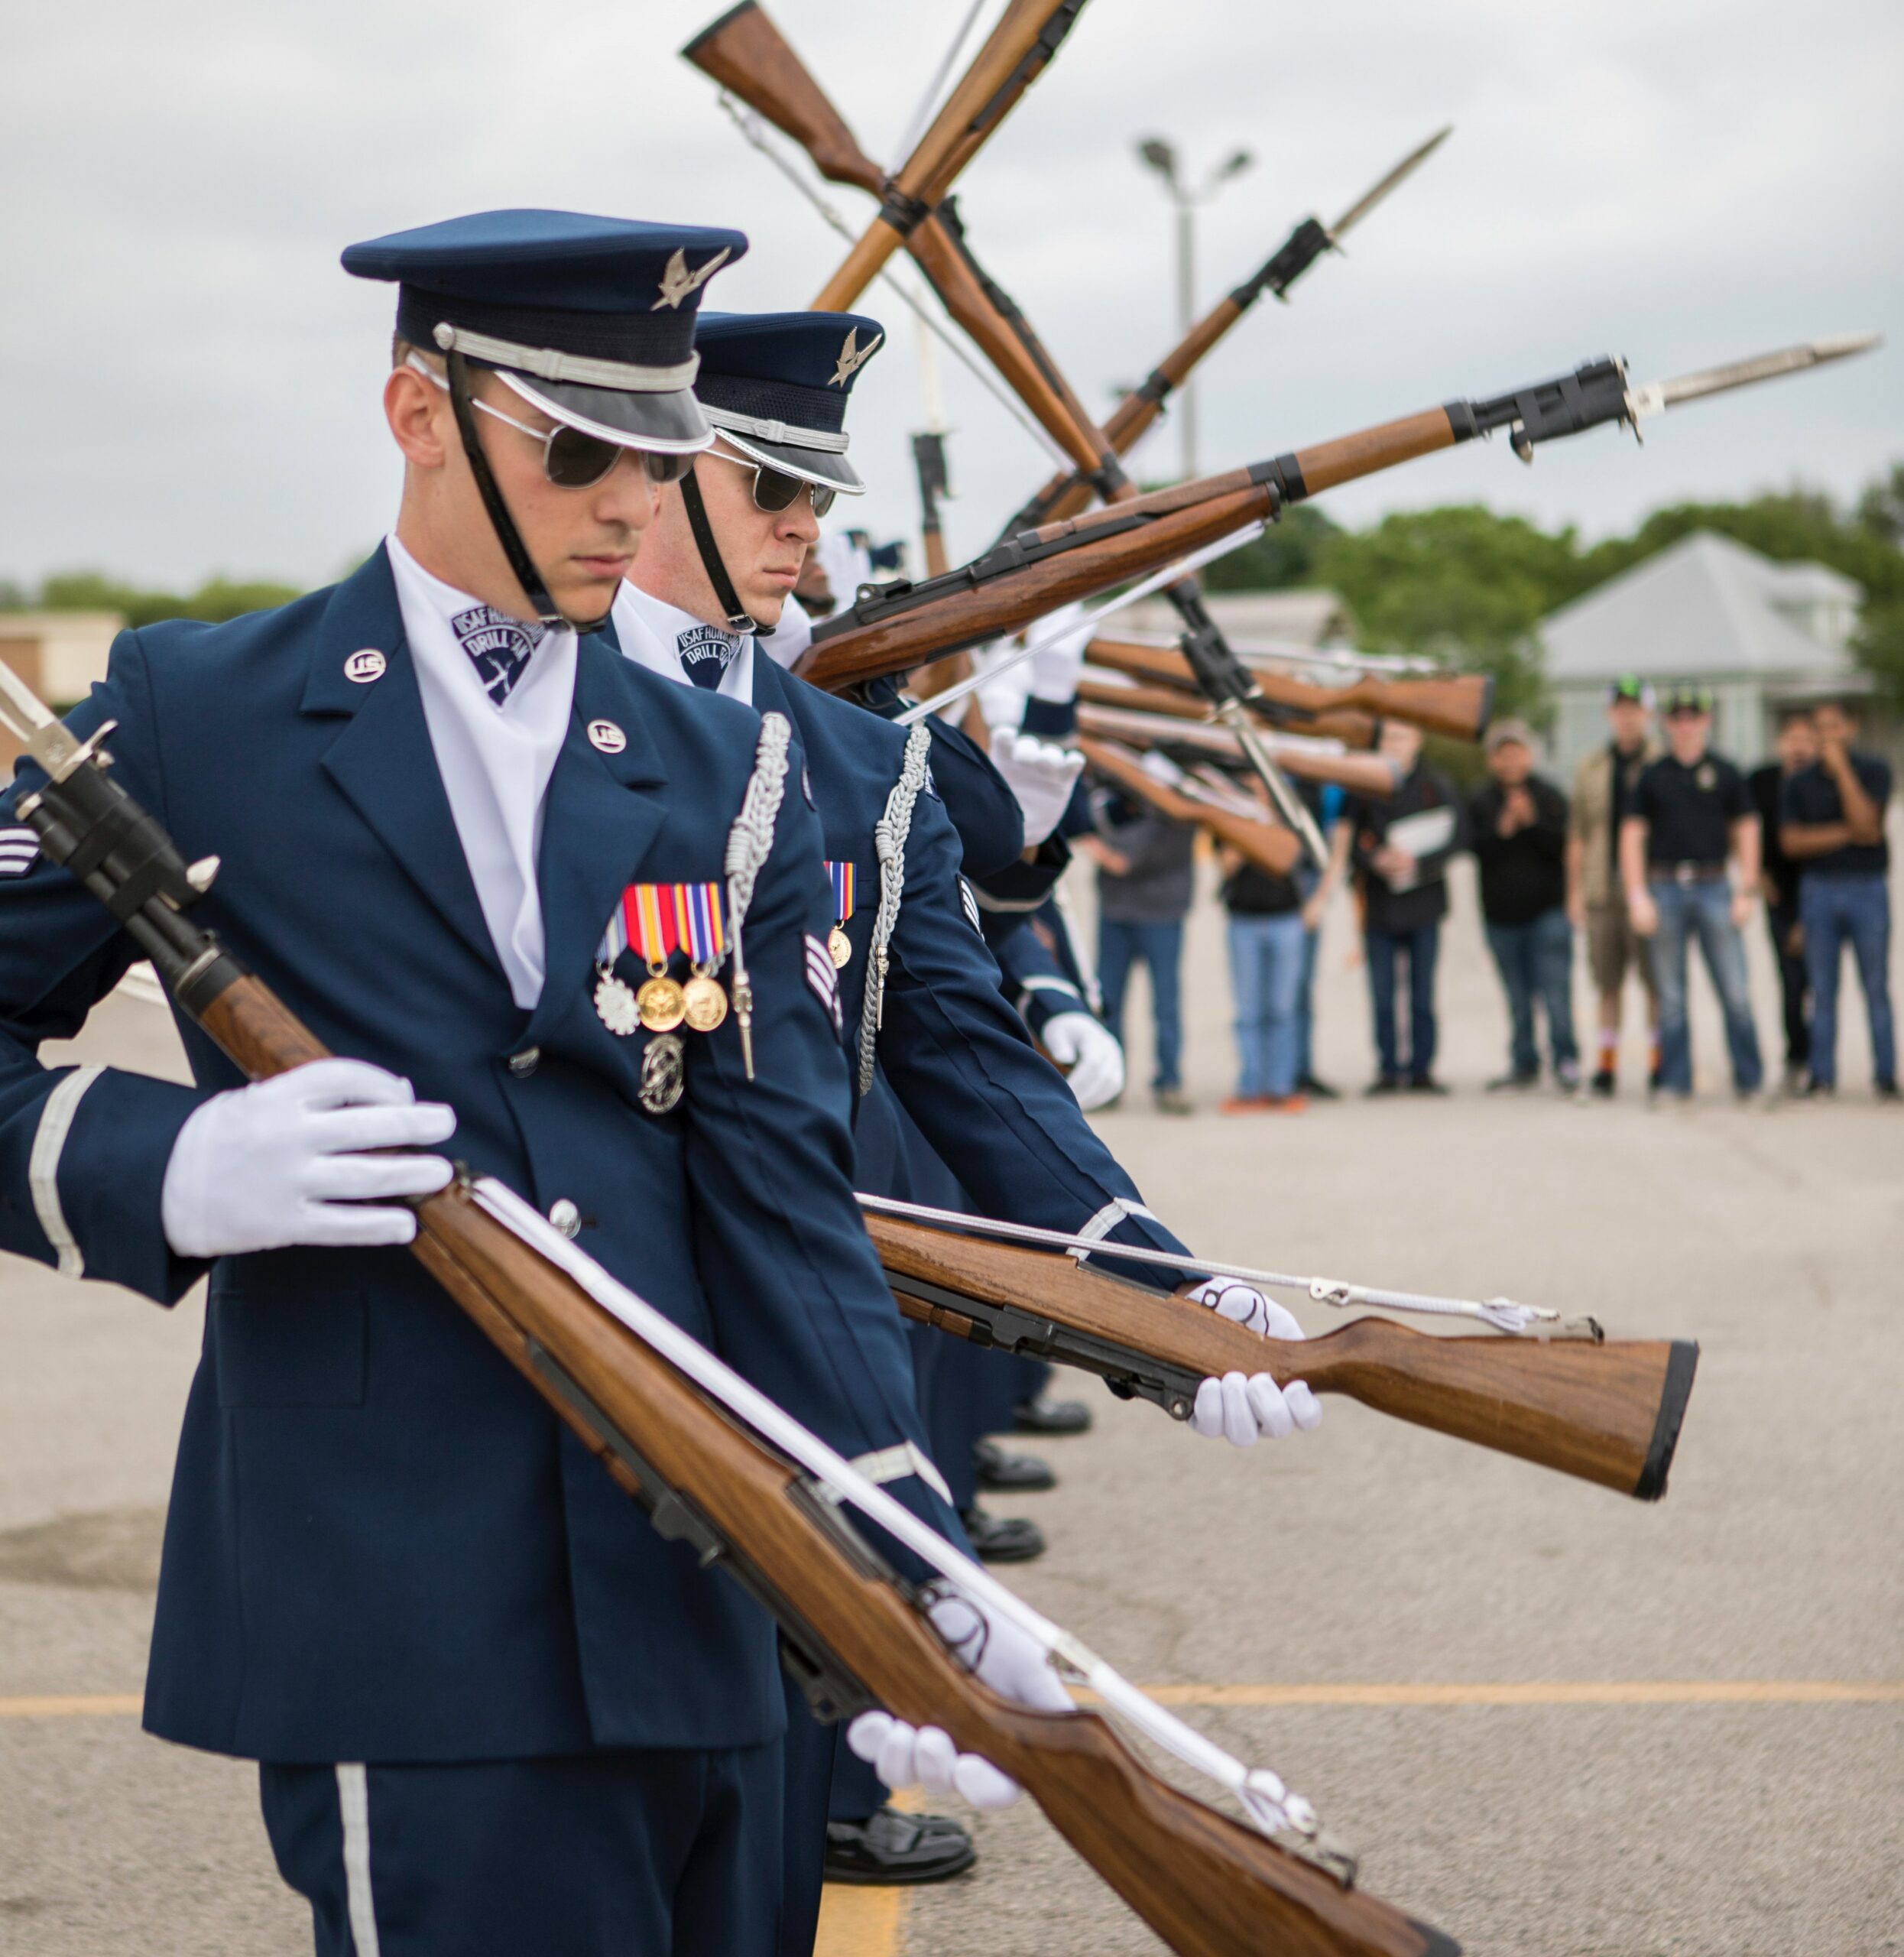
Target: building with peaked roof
1304	619
1761	635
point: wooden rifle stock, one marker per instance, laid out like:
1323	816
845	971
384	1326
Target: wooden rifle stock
1353	730
1369	776
1267	844
855	1635
1013	55
1605	1411
1456	704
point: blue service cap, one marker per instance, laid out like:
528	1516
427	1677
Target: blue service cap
775	385
592	318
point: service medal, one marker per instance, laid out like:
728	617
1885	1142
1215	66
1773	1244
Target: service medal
662	1004
662	1072
839	947
704	1002
614	1005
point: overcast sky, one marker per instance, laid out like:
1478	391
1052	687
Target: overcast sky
193	383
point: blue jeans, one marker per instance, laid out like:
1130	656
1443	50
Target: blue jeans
1305	1010
1418	946
1704	910
1160	947
1836	911
1266	980
1536	960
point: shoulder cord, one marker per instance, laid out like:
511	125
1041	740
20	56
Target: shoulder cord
749	842
888	843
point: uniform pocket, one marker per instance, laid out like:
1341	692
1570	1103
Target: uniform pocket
299	1348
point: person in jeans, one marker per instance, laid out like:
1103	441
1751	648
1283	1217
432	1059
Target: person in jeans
1400	848
1603	784
1517	828
1779	883
1267	954
1692	815
1145	870
1324	801
1833	821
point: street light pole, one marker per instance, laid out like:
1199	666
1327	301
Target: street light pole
1155	154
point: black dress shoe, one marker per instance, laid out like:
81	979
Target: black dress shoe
1383	1083
1424	1083
1318	1090
1051	1416
999	1469
893	1848
1002	1538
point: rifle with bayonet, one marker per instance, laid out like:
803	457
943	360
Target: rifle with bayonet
903	624
745	53
1154	779
1352	729
1454	704
1560	1394
718	1466
1308	757
1065	496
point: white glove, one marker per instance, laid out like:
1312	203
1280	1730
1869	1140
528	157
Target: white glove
1242	1409
1040	773
1083	1043
286	1161
1009	1660
1055	669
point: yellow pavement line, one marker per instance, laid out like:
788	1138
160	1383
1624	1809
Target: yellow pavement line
861	1923
1561	1691
73	1706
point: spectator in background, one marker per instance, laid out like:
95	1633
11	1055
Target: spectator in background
1145	870
1604	786
1691	815
1325	800
1265	937
1517	828
1778	884
1399	849
1833	821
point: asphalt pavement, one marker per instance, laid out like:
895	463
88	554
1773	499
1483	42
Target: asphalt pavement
1554	1722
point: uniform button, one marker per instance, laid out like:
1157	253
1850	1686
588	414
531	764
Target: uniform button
524	1063
565	1217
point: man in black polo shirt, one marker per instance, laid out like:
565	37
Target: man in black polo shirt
1832	820
1778	883
1691	815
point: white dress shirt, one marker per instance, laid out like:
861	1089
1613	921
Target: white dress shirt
495	760
650	630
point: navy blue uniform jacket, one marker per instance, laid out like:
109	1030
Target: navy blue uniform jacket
381	1545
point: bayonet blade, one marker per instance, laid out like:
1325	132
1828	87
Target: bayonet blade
1657	396
1400	173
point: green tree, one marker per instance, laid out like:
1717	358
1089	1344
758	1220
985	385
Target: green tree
1284	555
215	601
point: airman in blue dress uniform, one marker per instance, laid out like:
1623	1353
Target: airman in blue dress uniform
920	993
496	1712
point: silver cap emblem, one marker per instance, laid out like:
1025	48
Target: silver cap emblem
853	356
677	281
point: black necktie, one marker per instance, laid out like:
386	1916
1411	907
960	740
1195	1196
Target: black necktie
706	653
499	647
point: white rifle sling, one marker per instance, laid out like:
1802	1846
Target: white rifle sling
888	844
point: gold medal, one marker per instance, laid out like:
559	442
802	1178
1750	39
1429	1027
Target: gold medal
615	1004
839	947
661	1004
704	1003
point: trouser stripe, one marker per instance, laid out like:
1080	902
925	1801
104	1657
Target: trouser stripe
353	1808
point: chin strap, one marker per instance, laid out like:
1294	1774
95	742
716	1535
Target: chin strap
739	619
520	563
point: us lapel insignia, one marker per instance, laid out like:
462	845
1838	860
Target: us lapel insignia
853	357
604	736
677	281
662	1073
365	666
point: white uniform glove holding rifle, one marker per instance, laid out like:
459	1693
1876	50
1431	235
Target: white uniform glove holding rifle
1245	1408
1003	1656
1040	773
1089	1052
291	1160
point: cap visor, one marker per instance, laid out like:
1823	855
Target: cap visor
820	465
670	423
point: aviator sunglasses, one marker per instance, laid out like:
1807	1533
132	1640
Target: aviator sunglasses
774	489
571	458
